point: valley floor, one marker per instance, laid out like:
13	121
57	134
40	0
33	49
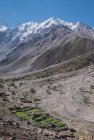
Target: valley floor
67	98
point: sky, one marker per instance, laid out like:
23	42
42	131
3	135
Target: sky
13	12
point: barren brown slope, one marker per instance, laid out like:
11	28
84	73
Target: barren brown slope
26	53
57	45
62	52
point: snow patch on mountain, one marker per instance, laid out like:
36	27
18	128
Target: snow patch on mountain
23	31
12	37
3	28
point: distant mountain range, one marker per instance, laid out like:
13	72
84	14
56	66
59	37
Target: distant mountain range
34	46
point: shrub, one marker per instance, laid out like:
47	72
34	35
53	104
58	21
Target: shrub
12	84
48	91
1	85
32	90
92	86
55	88
49	87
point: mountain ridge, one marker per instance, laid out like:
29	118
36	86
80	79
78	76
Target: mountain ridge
22	46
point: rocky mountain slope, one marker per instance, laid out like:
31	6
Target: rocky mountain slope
32	46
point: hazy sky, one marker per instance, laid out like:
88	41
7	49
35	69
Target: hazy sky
14	12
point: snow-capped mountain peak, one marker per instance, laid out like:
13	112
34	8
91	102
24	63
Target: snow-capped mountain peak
51	21
28	25
75	26
3	28
56	21
71	25
12	37
30	28
26	30
23	31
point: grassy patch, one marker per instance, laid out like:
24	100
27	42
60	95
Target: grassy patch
39	118
22	115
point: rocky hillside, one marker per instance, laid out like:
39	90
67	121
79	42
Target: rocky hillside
47	81
32	46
